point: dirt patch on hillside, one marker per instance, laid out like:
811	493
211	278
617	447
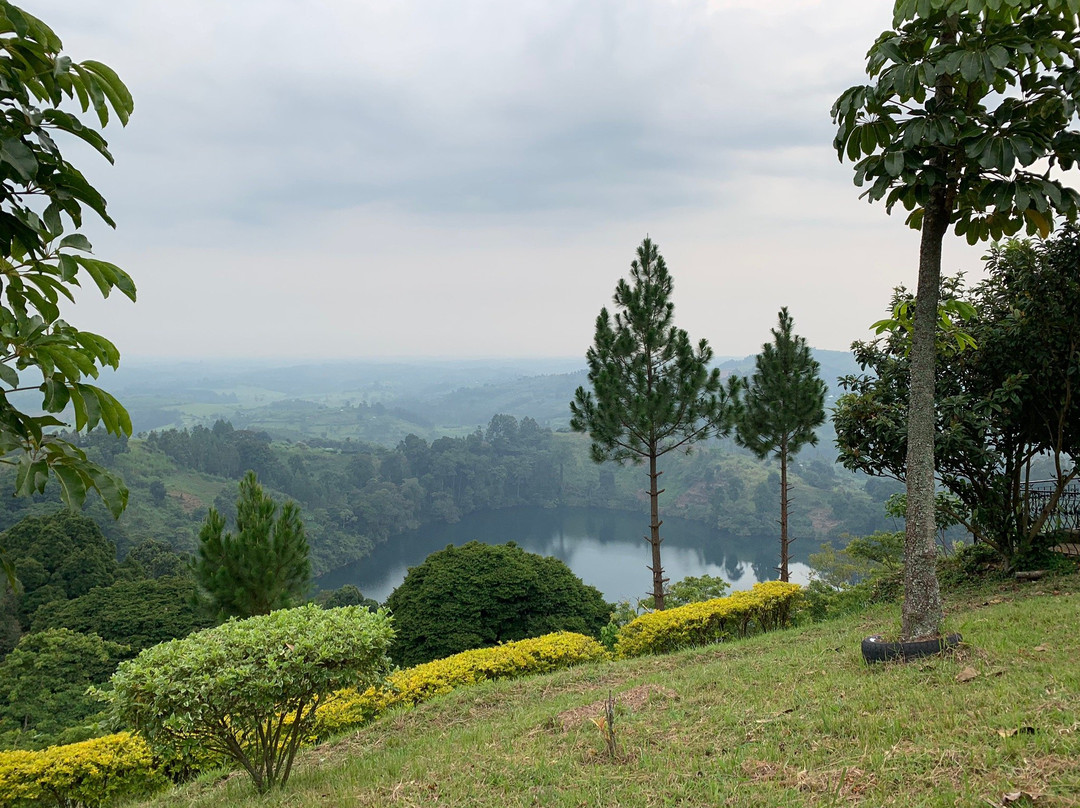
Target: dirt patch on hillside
823	521
633	699
189	503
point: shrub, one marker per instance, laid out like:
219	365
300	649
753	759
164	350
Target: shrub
411	686
84	774
249	689
691	589
480	595
767	606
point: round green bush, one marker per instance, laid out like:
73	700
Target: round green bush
480	595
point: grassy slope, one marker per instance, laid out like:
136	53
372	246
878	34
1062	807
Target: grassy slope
792	718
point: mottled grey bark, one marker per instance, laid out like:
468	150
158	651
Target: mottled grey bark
921	612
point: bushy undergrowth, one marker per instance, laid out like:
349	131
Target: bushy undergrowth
767	606
83	774
351	708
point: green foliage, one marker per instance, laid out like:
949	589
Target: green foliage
695	589
783	403
249	689
57	557
410	686
347	595
971	97
480	595
998	409
652	392
865	571
138	613
43	686
90	774
42	195
691	589
767	606
263	566
152	558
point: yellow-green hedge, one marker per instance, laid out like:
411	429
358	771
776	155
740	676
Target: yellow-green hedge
767	606
349	708
84	774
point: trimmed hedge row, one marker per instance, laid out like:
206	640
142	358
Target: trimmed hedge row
767	606
350	708
80	774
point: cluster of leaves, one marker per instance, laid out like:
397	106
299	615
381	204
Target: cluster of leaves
481	595
767	606
43	257
249	689
976	96
76	615
867	570
351	708
91	773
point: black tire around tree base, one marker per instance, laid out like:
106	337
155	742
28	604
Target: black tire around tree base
876	649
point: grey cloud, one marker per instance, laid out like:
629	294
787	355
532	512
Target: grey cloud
611	106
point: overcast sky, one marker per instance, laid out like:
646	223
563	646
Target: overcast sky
340	178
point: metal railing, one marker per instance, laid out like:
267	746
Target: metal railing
1066	515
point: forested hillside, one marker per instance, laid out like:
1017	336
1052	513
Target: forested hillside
356	495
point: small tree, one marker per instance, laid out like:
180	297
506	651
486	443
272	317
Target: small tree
968	116
263	566
480	595
652	392
249	689
783	403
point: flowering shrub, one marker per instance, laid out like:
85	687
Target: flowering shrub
767	606
350	708
83	774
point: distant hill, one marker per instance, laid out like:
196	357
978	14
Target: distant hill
370	400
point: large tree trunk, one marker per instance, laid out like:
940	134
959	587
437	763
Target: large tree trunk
784	541
654	532
922	598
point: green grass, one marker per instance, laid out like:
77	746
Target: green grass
790	718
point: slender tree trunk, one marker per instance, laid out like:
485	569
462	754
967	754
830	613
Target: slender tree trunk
654	531
922	598
783	510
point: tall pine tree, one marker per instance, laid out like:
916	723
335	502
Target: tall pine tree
784	402
652	392
263	566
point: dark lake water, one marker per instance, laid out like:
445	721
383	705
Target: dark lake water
604	548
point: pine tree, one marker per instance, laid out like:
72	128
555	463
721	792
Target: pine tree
263	566
652	392
783	403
